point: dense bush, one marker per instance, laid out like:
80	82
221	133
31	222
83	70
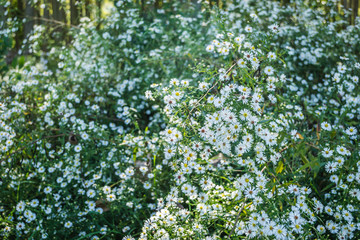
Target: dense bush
185	122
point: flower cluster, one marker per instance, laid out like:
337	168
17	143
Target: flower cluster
186	124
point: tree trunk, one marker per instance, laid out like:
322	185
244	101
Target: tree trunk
355	9
87	8
98	4
2	17
350	5
157	4
29	16
142	11
58	11
46	11
55	9
19	33
74	13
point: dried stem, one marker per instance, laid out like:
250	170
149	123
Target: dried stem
52	21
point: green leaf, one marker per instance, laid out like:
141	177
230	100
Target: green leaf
333	134
280	167
21	61
264	121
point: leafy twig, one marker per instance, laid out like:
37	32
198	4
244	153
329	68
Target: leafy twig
31	143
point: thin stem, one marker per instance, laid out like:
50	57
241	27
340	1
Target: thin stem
237	218
198	102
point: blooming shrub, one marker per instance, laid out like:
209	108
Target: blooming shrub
186	124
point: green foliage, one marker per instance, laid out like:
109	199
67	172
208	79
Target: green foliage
4	48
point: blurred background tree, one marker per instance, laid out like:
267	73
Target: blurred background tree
59	16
